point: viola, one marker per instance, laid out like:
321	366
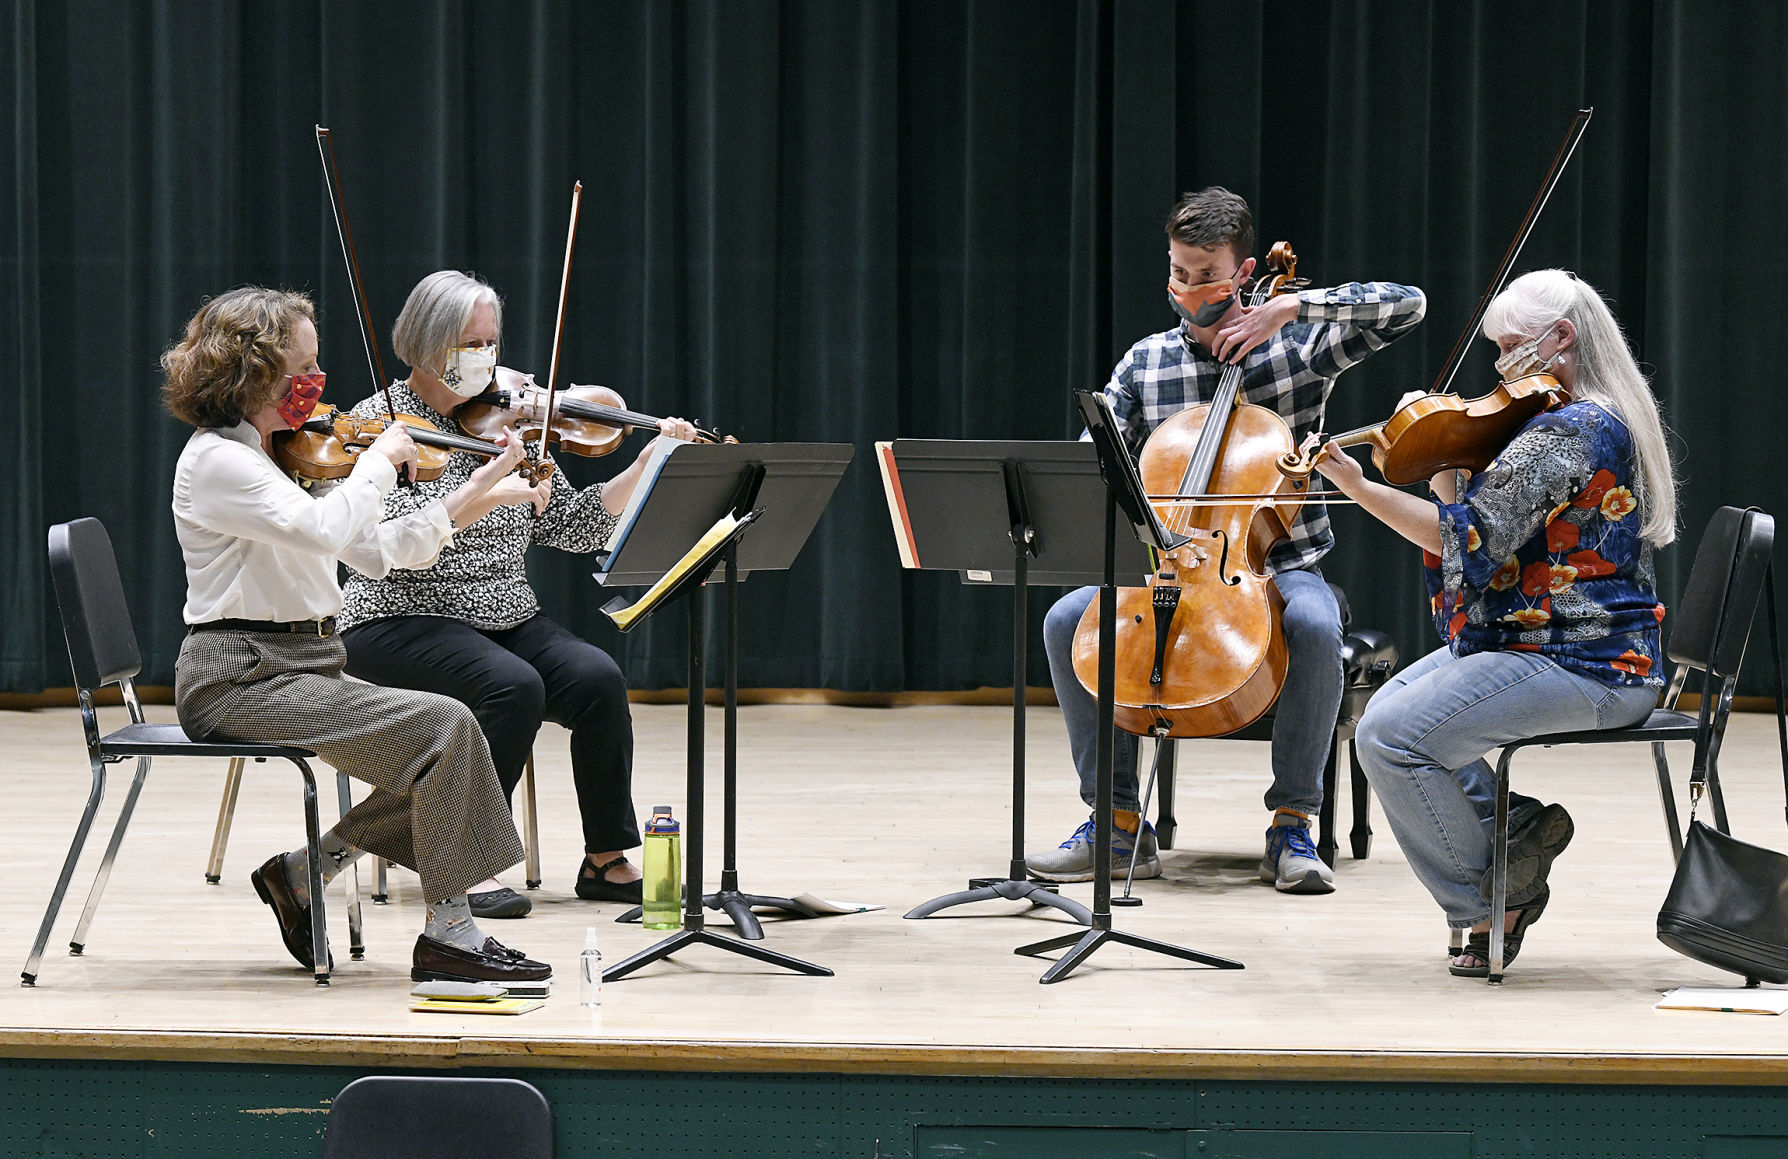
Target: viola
586	420
1442	432
329	444
1200	650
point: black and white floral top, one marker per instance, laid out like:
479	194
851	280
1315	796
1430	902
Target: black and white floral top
481	577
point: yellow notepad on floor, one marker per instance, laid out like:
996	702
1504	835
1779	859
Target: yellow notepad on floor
477	1006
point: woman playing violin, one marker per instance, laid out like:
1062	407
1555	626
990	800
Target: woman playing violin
468	624
1540	576
262	661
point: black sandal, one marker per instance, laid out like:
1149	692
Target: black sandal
1477	945
593	883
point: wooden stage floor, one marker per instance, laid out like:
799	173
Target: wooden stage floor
892	806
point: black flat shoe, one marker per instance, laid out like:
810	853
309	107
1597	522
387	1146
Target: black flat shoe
593	884
275	888
499	903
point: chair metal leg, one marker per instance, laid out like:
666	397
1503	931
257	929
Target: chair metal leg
1361	835
226	816
1325	815
381	896
1499	880
79	942
356	935
532	822
319	937
1165	823
1455	943
94	795
1667	796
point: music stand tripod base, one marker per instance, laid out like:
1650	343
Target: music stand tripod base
1087	941
1008	889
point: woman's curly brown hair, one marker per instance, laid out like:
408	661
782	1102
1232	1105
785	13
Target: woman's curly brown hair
233	356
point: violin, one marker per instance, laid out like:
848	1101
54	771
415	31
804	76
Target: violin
329	444
586	420
1441	431
1200	650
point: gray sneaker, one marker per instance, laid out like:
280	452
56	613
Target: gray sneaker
1072	860
1291	863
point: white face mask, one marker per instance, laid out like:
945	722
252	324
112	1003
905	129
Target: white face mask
469	370
1524	360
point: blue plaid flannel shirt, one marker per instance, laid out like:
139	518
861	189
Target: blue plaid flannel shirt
1291	374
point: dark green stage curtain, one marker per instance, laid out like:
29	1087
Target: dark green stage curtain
847	222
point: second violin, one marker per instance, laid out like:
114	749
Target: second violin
586	420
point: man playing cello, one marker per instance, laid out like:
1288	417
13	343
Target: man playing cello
1290	349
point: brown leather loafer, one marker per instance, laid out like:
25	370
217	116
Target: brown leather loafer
438	961
275	888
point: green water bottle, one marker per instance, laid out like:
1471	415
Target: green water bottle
663	884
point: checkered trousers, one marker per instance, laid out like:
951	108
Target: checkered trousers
1291	374
435	807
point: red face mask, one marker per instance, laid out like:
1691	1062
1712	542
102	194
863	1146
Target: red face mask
296	407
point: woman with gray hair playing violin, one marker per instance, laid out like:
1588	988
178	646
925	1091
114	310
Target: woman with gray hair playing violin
1540	577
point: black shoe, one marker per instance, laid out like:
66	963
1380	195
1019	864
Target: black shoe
499	903
275	888
593	884
437	961
1477	946
1532	849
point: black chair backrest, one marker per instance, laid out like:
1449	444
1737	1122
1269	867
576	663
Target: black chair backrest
1697	625
102	641
1749	570
403	1117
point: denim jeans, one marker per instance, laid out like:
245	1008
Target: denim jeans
1303	723
1422	743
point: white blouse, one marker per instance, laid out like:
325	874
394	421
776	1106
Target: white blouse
258	546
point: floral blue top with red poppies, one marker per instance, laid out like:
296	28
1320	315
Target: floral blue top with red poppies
1543	553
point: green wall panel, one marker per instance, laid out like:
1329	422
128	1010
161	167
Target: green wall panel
127	1110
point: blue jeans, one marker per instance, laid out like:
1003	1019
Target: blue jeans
1422	743
1303	721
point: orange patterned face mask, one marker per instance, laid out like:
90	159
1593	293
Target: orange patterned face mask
1202	304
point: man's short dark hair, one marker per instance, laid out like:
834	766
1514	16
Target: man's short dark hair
1213	216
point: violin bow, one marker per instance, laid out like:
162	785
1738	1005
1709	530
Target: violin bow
1443	383
375	365
552	369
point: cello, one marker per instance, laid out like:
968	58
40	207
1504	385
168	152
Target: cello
1200	650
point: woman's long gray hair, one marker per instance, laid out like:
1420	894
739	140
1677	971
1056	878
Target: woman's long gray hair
1606	375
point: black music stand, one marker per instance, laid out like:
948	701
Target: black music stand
987	510
1123	487
783	488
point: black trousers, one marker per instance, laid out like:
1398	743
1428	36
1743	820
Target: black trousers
512	680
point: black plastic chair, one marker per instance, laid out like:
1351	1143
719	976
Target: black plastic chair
402	1117
1708	632
1368	657
102	649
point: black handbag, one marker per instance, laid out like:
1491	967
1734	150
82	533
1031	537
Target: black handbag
1728	903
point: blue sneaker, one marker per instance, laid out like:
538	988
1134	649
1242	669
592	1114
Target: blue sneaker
1072	860
1291	863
